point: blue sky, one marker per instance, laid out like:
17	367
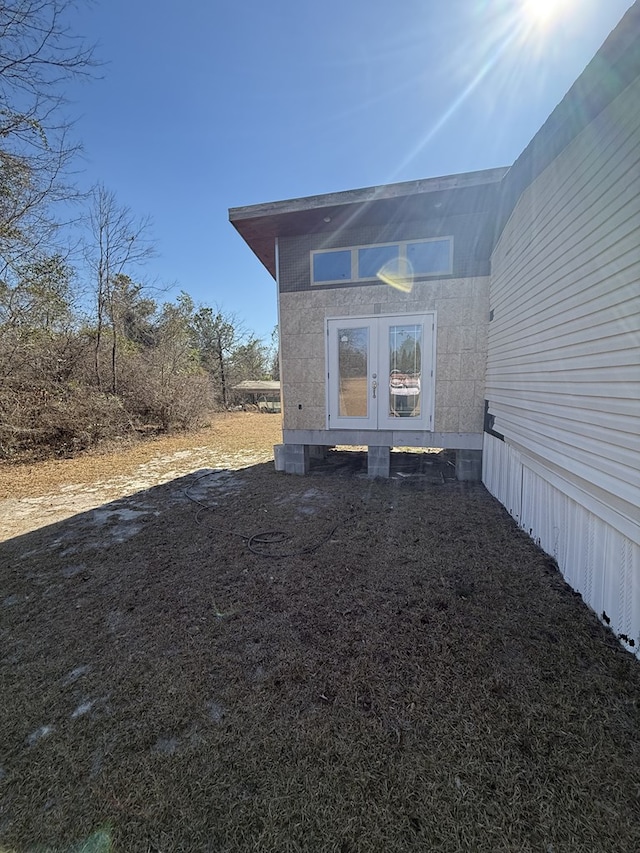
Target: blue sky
204	105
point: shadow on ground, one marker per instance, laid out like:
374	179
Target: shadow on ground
241	660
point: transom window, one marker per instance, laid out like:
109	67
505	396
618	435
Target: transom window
363	263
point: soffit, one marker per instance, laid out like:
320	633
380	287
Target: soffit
434	198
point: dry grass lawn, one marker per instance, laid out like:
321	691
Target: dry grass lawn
239	660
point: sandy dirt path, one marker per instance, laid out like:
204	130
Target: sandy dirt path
34	495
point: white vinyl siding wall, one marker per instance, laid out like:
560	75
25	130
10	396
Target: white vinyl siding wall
563	370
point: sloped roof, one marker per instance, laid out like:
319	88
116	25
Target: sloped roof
260	224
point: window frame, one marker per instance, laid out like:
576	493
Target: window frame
402	254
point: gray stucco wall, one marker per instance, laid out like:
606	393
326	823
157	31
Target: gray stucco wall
462	319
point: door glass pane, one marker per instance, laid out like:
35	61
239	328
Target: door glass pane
353	371
405	366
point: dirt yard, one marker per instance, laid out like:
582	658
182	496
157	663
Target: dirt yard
200	654
34	495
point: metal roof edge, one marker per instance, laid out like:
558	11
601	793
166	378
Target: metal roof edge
370	194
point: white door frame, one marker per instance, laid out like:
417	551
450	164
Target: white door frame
377	416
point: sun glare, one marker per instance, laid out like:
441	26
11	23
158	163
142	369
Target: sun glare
542	13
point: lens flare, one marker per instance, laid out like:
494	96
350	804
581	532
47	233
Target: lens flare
397	273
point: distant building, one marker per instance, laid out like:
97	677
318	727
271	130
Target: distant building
262	393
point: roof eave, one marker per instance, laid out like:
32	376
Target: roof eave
260	224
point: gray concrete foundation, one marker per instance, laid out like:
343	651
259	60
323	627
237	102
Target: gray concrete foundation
296	458
318	451
278	456
469	465
378	461
385	438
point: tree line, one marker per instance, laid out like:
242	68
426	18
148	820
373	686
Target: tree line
87	351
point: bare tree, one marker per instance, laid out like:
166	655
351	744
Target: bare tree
120	241
39	54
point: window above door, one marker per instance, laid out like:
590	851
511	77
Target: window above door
414	258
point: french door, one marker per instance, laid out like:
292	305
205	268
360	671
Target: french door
380	372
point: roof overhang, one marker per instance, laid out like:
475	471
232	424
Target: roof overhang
258	386
260	224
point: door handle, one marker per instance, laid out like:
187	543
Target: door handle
374	388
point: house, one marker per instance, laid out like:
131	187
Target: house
353	347
496	313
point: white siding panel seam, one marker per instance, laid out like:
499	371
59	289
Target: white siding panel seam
590	265
601	428
609	443
598	146
594	314
616	196
623	369
611	340
597	165
619	208
598	390
581	245
583	404
601	301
